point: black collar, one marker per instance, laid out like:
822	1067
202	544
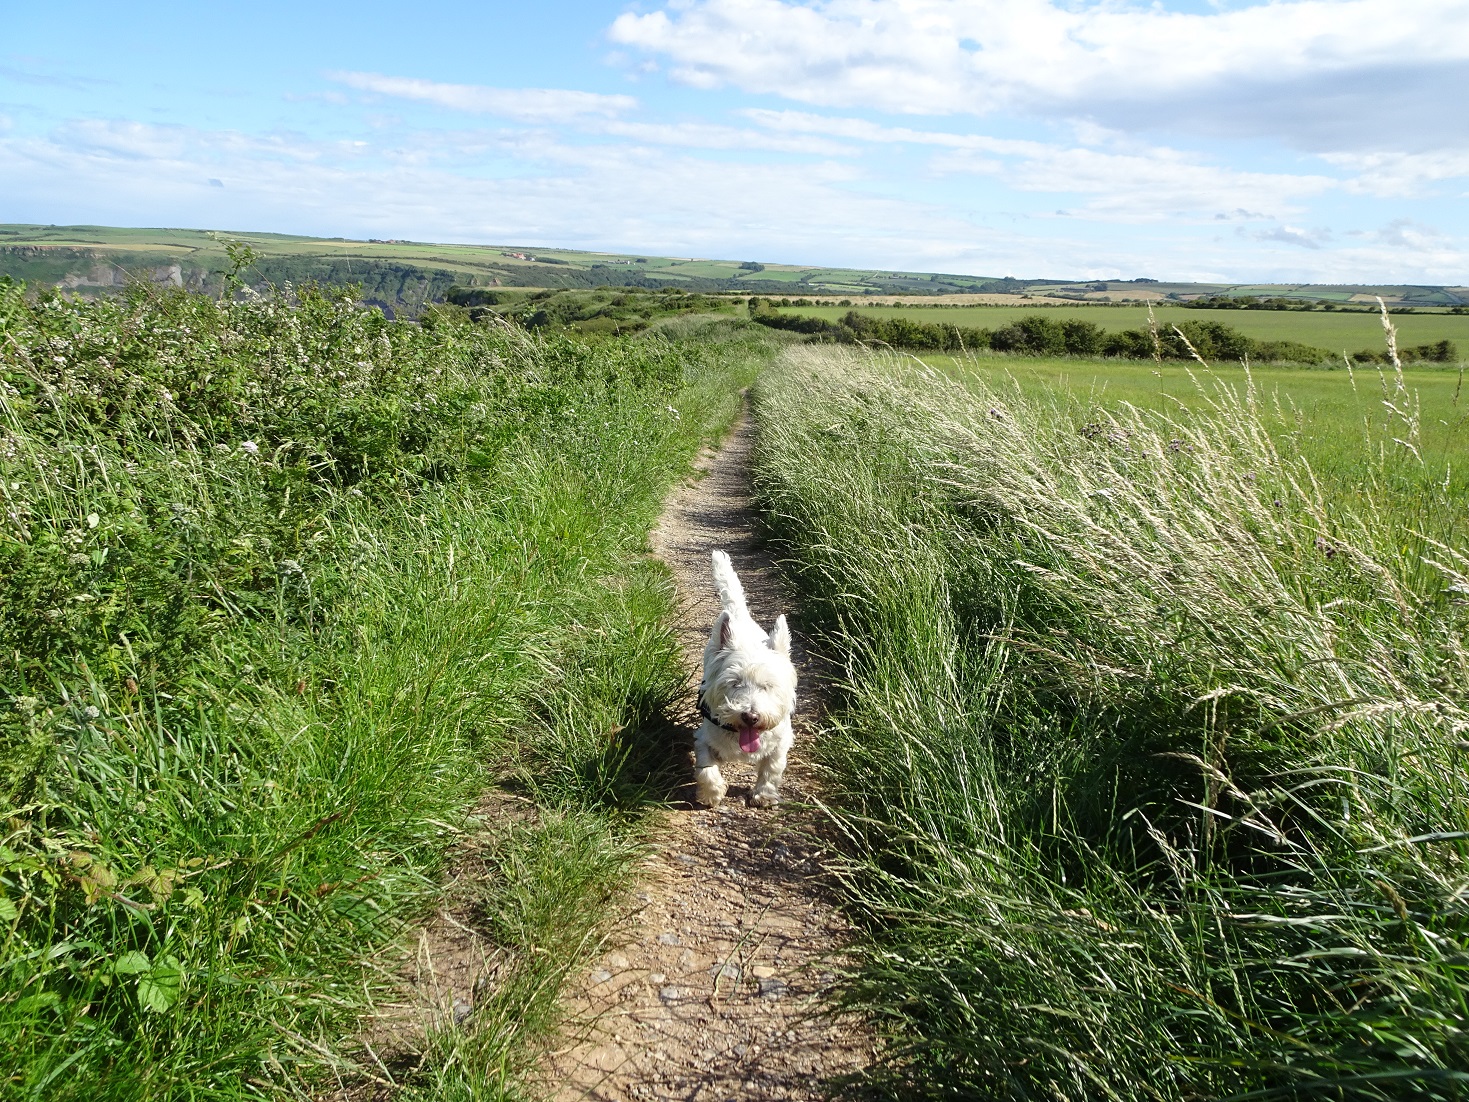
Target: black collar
704	711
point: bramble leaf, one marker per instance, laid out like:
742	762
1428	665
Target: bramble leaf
132	964
161	986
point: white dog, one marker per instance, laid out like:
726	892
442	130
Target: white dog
746	697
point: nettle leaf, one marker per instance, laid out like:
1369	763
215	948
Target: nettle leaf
160	987
8	910
132	964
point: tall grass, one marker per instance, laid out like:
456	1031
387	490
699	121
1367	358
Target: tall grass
1150	752
283	587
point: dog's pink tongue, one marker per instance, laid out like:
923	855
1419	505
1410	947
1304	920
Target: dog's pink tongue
749	739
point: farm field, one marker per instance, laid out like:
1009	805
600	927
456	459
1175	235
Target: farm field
406	275
1332	417
1146	756
1332	330
72	254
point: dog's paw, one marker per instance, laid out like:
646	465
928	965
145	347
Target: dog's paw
765	799
711	790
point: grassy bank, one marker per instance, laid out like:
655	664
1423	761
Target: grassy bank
285	586
1149	753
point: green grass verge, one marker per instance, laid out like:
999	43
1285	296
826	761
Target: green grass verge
283	587
1148	756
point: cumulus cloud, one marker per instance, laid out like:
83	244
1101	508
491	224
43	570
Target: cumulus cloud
1320	73
1141	183
532	105
601	195
1290	235
127	140
1401	175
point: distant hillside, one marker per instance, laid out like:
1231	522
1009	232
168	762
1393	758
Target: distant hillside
404	275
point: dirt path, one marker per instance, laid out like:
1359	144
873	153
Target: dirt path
712	991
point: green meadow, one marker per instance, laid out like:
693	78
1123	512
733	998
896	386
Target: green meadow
1329	414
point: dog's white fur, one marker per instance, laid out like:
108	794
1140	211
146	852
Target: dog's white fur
749	688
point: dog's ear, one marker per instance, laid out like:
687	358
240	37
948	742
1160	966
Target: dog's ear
780	636
721	629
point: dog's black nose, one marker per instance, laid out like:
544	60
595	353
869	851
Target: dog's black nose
750	718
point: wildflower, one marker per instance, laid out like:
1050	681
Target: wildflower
91	711
997	415
250	447
291	566
93	520
79	559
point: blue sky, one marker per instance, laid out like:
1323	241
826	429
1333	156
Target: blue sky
1321	140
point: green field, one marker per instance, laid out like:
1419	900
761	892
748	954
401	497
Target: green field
1354	430
1335	331
71	253
1330	412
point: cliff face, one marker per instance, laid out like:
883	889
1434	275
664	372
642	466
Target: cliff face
96	270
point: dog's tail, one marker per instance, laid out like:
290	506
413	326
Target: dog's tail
727	585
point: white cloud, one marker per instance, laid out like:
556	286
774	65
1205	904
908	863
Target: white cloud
1291	235
1162	185
1145	183
1349	66
602	195
1401	175
124	139
698	135
533	105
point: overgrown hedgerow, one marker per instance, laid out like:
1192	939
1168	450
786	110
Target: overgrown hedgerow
283	586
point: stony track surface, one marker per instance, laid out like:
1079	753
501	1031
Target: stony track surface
713	988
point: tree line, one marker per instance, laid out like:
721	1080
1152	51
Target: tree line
1038	335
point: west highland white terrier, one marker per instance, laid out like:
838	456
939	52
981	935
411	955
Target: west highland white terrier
746	697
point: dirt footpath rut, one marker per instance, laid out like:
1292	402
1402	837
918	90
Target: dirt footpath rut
713	989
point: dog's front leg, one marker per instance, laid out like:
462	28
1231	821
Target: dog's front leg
767	780
707	777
